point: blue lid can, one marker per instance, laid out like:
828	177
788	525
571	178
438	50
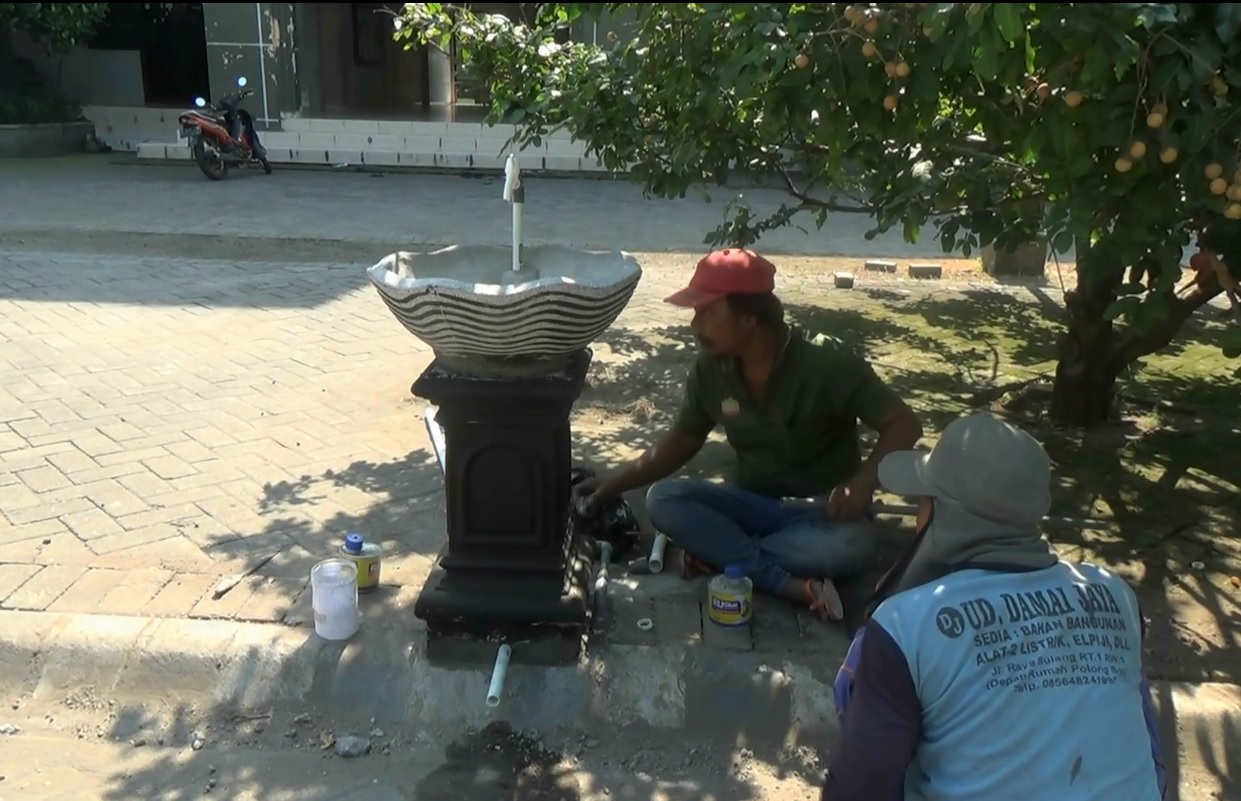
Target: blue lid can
353	543
734	572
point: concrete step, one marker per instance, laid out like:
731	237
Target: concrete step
409	137
453	159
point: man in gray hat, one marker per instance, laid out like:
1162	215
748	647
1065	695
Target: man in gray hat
983	651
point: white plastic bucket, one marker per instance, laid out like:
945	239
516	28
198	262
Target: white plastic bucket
334	598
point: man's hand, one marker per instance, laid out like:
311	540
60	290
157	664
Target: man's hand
588	494
850	501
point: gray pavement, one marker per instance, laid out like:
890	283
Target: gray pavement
91	193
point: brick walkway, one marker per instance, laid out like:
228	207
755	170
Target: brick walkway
191	416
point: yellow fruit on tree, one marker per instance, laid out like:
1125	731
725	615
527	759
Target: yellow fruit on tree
1233	193
1213	170
1169	155
851	13
1137	150
902	70
1073	98
1123	165
890	69
802	61
1218	186
869	50
871	25
1043	91
1233	211
890	102
1155	120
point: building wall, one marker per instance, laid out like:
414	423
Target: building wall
258	41
102	77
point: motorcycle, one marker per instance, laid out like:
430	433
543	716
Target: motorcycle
224	135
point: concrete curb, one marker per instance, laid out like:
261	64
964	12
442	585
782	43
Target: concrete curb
383	673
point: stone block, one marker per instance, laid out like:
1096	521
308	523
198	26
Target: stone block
843	280
726	638
880	266
1029	259
924	270
44	139
381	158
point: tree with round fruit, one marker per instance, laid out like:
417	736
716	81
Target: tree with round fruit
1112	130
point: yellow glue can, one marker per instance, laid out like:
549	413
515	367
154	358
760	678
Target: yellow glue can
368	556
730	597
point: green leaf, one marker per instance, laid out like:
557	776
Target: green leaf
1008	20
1062	242
1227	20
1122	307
1152	311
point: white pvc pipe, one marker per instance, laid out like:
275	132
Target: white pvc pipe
512	183
655	562
498	674
605	559
517	236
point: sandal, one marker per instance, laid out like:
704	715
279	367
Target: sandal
693	567
824	599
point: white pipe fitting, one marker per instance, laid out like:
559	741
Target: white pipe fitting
498	674
655	562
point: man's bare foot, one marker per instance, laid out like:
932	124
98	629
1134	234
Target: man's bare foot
824	599
693	567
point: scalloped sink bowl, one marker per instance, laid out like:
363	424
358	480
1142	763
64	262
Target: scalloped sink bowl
466	301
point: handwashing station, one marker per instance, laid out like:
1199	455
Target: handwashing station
510	329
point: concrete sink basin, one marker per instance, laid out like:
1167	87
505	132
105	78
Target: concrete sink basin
469	305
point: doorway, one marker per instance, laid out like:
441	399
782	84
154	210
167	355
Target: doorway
171	40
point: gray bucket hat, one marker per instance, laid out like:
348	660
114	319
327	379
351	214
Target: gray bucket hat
989	468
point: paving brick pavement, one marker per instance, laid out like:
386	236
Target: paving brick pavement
93	194
195	415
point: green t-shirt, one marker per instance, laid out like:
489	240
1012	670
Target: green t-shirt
803	440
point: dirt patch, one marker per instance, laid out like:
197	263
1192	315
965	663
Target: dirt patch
499	762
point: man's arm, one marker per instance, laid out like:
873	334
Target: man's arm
674	448
882	726
879	407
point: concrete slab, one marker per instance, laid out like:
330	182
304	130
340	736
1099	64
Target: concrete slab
384	673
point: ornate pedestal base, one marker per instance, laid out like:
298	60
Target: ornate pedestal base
512	568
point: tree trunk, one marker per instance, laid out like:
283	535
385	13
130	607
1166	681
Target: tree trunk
1083	394
1092	353
1084	391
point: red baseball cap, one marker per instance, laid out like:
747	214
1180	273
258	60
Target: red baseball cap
726	272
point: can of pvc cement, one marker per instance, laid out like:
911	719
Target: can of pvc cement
730	597
368	556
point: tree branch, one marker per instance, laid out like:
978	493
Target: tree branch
809	201
1136	345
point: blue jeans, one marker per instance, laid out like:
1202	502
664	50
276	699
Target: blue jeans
724	525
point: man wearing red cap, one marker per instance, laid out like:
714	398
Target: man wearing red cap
789	405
